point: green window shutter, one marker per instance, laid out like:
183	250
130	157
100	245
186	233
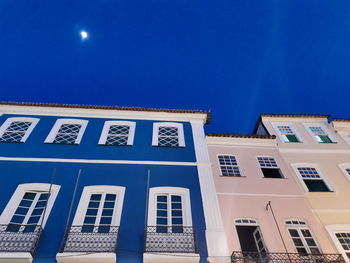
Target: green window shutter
325	138
292	138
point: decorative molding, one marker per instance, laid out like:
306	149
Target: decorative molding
104	113
180	130
59	122
7	123
61	160
98	189
331	210
18	195
215	235
107	124
254	194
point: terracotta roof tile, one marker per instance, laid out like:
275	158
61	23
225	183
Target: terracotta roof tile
342	120
98	107
295	115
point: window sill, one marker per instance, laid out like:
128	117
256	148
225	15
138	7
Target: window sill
86	257
242	176
274	177
162	257
61	143
18	257
172	147
111	145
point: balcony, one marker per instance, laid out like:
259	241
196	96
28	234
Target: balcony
19	241
168	244
98	244
255	257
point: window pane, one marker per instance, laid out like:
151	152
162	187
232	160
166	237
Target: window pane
87	229
29	196
316	186
110	197
13	228
271	173
325	139
161	198
95	197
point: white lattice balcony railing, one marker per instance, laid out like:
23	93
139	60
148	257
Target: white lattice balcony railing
102	239
255	257
22	238
169	239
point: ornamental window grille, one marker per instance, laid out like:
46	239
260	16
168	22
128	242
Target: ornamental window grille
320	134
344	240
269	167
15	131
67	134
169	213
29	212
287	133
302	238
118	135
229	165
312	179
168	136
99	213
246	221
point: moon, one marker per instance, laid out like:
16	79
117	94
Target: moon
84	34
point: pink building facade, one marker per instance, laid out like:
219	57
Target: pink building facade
263	208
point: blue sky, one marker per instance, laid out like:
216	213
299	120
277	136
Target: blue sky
238	58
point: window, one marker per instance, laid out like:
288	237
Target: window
117	133
26	208
269	167
319	133
17	130
344	240
168	134
99	208
312	179
228	165
169	209
302	238
67	131
287	133
345	167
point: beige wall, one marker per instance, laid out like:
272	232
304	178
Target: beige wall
330	208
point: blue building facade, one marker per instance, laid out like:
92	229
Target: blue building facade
104	184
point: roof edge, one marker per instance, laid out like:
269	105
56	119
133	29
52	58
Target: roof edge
295	115
247	136
104	107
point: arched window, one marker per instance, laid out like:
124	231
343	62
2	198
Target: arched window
17	129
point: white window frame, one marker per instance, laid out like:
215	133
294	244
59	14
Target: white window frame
7	123
278	166
338	228
291	126
295	167
324	127
108	124
59	122
250	223
343	167
17	196
238	165
186	204
180	130
119	191
298	227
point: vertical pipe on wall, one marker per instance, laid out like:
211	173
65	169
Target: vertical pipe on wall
278	228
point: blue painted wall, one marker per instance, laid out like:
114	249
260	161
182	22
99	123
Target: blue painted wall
133	177
89	148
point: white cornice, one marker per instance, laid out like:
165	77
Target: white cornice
99	113
294	119
323	151
232	141
61	160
